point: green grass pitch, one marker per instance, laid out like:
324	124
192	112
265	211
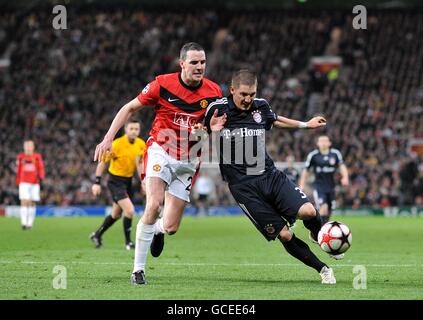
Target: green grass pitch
209	258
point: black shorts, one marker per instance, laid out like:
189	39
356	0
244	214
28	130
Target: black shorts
321	197
271	201
120	187
203	197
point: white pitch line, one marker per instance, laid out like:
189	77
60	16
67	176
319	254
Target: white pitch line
214	264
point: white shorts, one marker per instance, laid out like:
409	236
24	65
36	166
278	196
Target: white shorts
29	191
178	174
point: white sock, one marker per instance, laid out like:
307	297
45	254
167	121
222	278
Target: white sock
144	237
158	226
31	216
24	215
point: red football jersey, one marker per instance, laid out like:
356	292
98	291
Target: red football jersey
177	107
29	168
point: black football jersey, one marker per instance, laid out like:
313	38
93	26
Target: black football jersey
242	148
324	167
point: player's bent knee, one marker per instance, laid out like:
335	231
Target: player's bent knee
307	211
171	229
285	235
116	215
129	214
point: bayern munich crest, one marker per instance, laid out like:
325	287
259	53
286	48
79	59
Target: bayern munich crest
257	116
270	229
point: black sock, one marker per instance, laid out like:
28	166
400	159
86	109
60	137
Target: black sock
107	223
300	250
127	226
325	219
314	224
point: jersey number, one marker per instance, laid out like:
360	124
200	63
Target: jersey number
303	195
190	183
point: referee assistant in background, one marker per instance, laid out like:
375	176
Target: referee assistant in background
126	157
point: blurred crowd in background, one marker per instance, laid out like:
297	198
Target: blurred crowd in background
63	88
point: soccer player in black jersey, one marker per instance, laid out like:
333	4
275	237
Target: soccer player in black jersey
324	162
270	200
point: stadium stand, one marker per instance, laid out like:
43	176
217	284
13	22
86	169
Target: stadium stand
63	87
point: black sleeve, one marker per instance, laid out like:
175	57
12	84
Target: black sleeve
269	115
309	163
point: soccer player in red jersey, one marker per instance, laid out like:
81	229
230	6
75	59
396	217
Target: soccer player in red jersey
29	173
180	100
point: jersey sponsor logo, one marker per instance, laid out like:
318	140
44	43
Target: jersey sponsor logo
257	116
184	119
242	132
157	168
204	103
29	167
245	132
325	169
146	89
226	133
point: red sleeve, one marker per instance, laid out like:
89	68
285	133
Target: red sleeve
150	95
41	172
18	168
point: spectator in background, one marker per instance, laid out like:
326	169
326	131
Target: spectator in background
375	102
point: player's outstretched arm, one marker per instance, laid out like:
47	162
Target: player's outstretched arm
41	168
344	175
303	179
120	119
287	123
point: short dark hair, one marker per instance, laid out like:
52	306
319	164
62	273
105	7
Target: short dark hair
245	77
322	135
187	47
132	121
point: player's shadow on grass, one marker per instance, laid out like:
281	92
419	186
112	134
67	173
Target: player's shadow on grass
240	280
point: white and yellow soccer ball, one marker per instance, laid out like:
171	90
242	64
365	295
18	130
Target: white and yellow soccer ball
335	237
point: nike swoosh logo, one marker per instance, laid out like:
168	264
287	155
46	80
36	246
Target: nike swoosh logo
171	100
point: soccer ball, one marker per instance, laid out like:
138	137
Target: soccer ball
335	237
